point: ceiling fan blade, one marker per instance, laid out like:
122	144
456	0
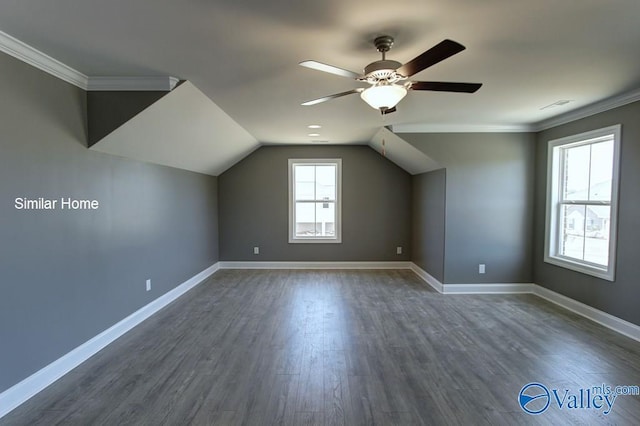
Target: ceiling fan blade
437	53
330	69
328	98
389	111
444	86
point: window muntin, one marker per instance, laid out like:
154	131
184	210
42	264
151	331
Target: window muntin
314	200
582	202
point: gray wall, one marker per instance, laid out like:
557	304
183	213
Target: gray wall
106	111
69	275
253	199
619	298
489	203
428	198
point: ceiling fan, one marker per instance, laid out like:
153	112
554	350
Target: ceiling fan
389	79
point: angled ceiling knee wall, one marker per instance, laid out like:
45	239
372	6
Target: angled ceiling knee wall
182	128
402	153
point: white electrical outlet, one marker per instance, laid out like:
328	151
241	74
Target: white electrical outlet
398	250
481	268
149	285
256	250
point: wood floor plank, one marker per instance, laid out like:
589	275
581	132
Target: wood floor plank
343	347
282	400
337	397
308	419
311	389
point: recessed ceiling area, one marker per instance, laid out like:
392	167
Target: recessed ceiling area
244	56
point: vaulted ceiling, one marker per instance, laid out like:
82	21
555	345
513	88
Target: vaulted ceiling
243	55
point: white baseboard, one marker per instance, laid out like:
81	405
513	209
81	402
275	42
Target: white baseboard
434	283
21	392
485	288
607	320
315	265
612	322
497	288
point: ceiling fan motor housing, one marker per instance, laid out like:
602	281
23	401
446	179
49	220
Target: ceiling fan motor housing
383	70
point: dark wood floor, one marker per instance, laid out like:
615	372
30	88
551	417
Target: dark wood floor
341	347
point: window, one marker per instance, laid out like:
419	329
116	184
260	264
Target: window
582	201
314	201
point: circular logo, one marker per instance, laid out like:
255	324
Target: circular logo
534	398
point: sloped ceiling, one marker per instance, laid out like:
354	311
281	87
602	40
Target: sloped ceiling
402	153
183	129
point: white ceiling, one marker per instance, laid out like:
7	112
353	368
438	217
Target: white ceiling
243	55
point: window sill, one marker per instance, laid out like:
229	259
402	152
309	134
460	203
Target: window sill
582	268
315	241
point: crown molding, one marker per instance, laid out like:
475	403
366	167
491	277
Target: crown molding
577	114
589	110
461	128
32	56
103	83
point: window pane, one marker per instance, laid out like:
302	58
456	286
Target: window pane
305	182
326	182
304	191
601	171
305	220
596	243
576	172
572	231
325	219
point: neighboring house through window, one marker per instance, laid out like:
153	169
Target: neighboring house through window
315	200
582	202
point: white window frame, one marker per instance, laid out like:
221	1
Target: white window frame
338	203
553	207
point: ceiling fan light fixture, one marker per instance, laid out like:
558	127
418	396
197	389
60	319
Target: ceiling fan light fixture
383	96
